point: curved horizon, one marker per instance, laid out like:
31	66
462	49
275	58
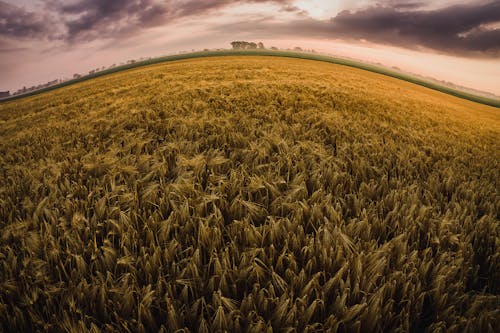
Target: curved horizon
394	73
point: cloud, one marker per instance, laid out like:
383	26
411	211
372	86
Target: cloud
93	19
17	23
466	30
454	29
87	20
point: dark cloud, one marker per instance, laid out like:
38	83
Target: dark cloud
460	29
111	18
85	20
93	19
454	29
17	23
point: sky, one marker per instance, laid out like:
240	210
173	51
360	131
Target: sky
452	40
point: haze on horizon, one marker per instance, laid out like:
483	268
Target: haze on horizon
452	40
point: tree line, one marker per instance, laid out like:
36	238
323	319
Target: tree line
242	45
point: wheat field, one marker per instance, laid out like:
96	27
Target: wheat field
249	194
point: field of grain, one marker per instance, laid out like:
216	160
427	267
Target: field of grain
249	194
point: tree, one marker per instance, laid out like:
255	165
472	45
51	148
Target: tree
236	45
242	45
260	46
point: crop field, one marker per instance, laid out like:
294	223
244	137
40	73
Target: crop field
249	194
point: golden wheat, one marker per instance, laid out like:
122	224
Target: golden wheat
248	194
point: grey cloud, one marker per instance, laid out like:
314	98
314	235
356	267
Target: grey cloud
93	19
112	18
458	29
454	29
86	20
16	22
